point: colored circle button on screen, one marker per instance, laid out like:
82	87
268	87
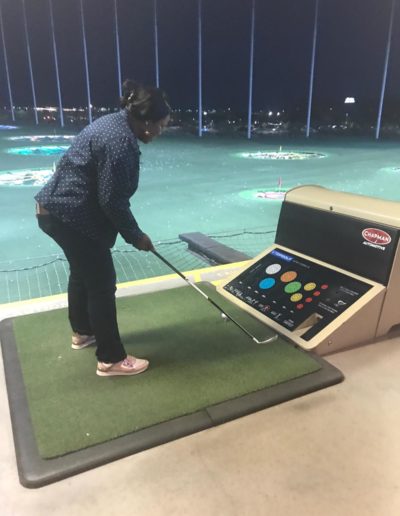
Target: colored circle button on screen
309	286
267	283
296	297
288	276
273	268
292	287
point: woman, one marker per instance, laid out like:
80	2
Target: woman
85	205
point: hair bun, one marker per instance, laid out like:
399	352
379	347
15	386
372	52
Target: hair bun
130	91
144	103
129	87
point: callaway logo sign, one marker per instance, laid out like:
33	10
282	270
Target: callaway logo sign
376	236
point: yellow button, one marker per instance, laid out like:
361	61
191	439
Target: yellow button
296	297
310	286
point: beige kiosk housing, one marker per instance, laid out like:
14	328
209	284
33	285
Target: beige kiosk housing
331	280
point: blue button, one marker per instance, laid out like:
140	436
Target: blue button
267	283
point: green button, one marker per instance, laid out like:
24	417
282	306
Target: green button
292	287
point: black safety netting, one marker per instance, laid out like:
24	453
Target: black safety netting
30	278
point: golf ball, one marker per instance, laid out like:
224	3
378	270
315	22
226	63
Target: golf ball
224	317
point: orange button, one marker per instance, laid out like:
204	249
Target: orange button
288	276
308	299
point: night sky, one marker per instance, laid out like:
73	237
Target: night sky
350	54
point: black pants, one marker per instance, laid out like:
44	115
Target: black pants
91	288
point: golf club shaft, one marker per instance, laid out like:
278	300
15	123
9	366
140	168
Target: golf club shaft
269	339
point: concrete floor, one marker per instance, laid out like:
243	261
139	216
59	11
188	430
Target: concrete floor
334	452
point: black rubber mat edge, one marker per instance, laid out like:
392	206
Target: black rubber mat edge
327	376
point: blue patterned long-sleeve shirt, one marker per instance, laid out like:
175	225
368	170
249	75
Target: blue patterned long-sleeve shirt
94	180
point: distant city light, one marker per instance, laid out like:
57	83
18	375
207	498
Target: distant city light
349	100
49	108
74	109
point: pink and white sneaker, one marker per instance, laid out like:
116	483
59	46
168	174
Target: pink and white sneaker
129	366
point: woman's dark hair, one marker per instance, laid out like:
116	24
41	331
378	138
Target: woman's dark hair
144	103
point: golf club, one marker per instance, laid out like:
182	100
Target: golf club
269	339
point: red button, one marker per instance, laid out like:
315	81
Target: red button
308	299
316	293
324	286
299	306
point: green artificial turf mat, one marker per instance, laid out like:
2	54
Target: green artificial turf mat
196	361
